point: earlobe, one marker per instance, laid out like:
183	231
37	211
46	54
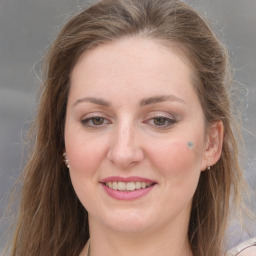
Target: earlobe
214	143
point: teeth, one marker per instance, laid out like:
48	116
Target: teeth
114	186
138	185
129	186
110	184
121	186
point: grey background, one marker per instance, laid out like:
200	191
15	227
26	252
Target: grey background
27	27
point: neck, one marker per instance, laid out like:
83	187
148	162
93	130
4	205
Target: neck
164	242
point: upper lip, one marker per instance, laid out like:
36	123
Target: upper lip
126	179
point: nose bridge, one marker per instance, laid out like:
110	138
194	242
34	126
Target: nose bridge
125	149
125	134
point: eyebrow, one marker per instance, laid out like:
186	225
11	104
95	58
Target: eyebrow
98	101
143	102
160	98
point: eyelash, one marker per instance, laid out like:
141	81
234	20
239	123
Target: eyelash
167	122
164	122
88	122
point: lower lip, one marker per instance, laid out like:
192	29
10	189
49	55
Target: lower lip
127	195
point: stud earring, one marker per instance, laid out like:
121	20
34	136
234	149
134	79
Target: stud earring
209	168
66	160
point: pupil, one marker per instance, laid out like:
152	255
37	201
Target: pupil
98	120
159	121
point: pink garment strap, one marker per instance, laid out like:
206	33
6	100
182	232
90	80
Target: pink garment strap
241	247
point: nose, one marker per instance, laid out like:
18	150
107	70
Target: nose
125	150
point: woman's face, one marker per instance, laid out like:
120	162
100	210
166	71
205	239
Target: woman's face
135	135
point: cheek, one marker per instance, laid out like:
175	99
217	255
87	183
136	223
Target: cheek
84	154
176	160
179	169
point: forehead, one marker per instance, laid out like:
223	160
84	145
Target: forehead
133	63
138	48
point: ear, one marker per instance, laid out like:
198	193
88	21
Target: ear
213	145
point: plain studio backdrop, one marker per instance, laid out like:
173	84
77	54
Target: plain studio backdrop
27	27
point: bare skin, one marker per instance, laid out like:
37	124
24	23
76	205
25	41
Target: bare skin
132	109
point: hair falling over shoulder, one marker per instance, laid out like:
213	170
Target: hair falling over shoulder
51	220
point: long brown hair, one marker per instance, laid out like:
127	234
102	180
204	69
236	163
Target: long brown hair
51	219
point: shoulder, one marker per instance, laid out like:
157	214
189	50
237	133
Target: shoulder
247	248
249	251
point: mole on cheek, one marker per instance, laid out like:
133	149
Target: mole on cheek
190	145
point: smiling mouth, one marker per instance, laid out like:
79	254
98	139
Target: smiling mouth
128	186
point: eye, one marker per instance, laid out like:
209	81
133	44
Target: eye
161	122
96	121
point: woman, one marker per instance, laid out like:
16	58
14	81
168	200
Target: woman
134	142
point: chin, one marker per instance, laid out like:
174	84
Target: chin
128	222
